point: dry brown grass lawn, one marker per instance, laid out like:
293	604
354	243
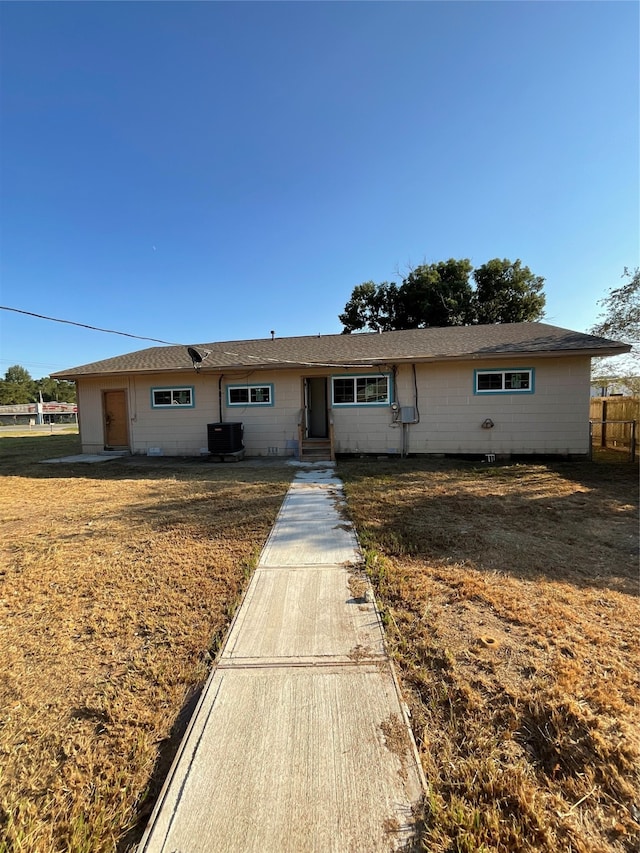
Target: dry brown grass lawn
116	582
510	596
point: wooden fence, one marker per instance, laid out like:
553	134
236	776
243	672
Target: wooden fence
614	423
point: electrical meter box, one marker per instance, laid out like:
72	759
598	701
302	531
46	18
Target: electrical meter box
407	414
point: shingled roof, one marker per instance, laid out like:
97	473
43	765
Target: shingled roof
360	350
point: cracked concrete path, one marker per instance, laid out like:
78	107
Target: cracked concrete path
299	742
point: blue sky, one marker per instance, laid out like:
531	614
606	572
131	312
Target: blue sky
211	171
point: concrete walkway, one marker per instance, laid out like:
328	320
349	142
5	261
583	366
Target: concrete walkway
299	742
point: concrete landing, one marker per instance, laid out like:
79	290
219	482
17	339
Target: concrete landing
299	742
88	458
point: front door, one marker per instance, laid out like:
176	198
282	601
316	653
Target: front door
315	401
116	431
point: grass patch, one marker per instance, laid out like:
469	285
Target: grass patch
18	452
117	581
510	596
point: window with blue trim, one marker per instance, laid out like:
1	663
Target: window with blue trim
166	398
504	381
249	395
360	390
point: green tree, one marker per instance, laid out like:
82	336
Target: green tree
441	294
18	374
17	386
12	393
507	292
436	295
620	320
372	306
56	390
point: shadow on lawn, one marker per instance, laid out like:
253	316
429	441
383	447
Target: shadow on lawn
229	504
503	518
24	456
167	752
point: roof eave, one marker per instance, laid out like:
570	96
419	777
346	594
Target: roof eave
355	363
487	356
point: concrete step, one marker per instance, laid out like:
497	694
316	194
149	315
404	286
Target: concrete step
315	450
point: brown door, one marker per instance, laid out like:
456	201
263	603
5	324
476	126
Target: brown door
114	406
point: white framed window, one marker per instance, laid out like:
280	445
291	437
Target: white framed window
512	381
362	390
250	395
169	398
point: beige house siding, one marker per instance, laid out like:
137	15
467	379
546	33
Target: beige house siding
268	430
182	431
366	430
553	419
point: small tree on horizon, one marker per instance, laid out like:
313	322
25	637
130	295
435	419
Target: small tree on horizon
18	387
620	320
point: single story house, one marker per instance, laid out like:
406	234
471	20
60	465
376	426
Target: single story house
518	388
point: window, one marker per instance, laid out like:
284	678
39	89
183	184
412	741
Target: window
167	398
517	381
360	390
250	395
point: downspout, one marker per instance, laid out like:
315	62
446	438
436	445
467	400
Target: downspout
397	419
415	391
220	396
416	419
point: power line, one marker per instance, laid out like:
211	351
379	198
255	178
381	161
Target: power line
256	358
32	366
86	326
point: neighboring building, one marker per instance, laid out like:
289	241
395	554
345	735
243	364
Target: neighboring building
615	387
38	413
520	388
